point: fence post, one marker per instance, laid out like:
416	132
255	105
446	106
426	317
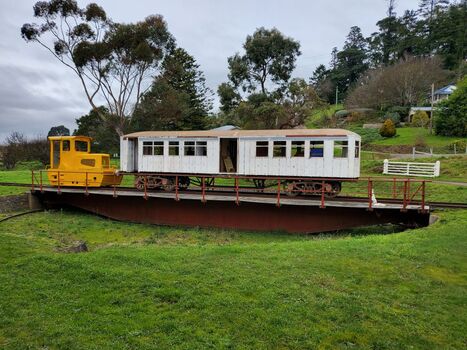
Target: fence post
386	166
413	152
455	149
437	168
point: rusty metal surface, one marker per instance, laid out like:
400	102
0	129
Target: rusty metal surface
228	215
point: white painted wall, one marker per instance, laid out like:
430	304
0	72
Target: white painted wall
248	163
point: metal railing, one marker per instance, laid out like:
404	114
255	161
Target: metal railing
372	191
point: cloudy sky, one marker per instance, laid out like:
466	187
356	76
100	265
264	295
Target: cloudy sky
37	92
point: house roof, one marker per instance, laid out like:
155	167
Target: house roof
245	133
446	90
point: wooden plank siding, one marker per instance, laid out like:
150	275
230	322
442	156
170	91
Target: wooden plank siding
247	162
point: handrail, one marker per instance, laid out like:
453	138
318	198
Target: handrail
370	188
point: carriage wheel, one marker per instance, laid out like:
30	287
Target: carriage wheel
293	189
335	189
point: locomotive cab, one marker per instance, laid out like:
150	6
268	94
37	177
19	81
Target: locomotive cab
73	164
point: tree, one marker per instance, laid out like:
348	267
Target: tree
104	139
60	130
451	114
351	61
178	98
269	59
229	97
111	60
420	119
300	100
19	149
406	83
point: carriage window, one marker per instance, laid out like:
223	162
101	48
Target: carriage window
357	149
262	148
173	148
201	148
158	148
340	149
189	148
81	146
316	149
298	149
279	149
66	145
147	148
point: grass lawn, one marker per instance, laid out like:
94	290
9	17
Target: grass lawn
151	287
409	136
313	120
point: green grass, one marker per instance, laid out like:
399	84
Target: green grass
410	136
313	121
149	287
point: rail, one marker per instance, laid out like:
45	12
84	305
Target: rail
371	190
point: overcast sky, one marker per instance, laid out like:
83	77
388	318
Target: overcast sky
37	92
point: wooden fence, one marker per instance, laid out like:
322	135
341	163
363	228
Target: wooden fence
411	168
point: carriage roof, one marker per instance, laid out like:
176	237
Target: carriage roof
245	133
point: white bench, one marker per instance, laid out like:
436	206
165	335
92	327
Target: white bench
411	168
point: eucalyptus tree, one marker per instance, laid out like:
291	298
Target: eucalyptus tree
112	61
269	58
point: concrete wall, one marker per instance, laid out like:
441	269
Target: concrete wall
14	203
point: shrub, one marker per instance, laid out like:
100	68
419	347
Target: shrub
343	113
388	129
29	165
420	119
451	115
460	145
18	149
394	116
401	110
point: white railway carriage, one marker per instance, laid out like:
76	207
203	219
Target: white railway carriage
293	153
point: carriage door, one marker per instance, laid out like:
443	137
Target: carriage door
228	152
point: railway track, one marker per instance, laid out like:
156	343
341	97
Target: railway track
251	191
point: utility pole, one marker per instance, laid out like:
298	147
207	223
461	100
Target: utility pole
432	102
337	94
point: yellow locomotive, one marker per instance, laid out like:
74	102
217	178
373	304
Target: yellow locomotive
73	164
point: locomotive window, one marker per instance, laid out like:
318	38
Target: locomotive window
66	145
298	149
158	148
173	148
279	149
357	149
81	146
201	148
262	148
147	148
189	148
316	149
340	149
